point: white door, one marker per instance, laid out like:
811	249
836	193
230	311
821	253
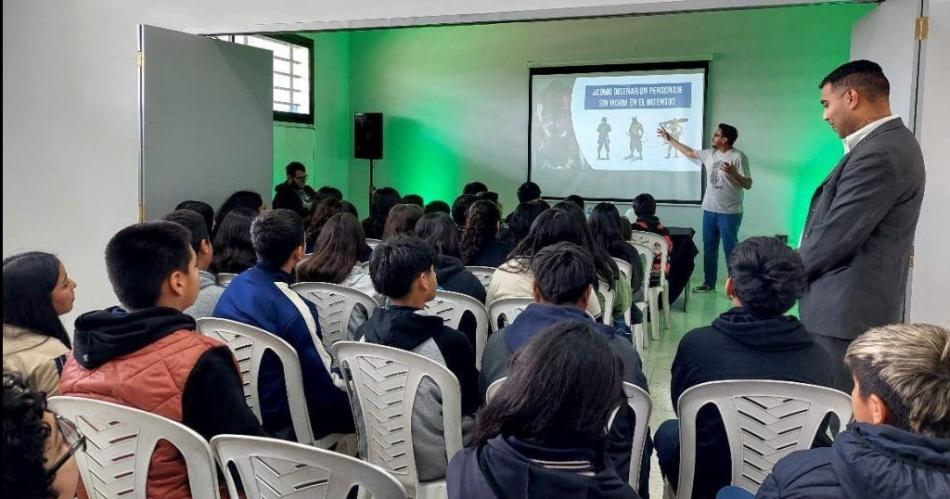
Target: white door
206	120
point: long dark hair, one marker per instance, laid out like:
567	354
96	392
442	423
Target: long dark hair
606	229
481	227
240	199
561	388
335	251
25	436
319	214
522	218
439	230
401	220
606	266
383	201
233	250
28	283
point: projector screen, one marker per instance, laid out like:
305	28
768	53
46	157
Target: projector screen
593	130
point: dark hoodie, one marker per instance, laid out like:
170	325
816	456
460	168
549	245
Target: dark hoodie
212	398
876	461
507	468
452	276
740	345
288	197
403	328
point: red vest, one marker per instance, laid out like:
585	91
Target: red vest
151	379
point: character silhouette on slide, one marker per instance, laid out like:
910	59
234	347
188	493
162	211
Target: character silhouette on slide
557	148
603	138
673	127
636	140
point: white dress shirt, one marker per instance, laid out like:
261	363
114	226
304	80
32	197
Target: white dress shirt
852	140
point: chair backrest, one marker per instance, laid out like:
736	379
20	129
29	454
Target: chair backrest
504	311
642	405
248	344
452	306
335	305
765	421
277	468
372	243
646	257
225	278
657	244
610	295
626	270
120	443
483	274
384	381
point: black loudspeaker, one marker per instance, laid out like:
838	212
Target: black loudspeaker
368	135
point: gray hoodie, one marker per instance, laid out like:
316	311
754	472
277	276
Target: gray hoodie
207	296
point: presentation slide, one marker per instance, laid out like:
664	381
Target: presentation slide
593	133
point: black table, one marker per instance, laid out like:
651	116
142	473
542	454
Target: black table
682	259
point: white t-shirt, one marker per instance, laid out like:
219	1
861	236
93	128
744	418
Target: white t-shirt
723	194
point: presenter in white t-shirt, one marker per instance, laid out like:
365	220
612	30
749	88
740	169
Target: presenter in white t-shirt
727	175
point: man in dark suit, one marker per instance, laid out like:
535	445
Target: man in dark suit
857	240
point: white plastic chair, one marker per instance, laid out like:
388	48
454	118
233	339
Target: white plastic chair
483	274
504	311
384	381
225	278
765	421
373	243
120	443
248	344
636	329
662	290
610	295
452	306
335	305
642	405
650	296
277	468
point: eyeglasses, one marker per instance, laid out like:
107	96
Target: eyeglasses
73	437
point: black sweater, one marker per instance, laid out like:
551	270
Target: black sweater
740	345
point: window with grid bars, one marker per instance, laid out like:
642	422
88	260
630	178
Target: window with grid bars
293	66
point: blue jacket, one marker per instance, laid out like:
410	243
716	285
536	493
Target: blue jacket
866	461
260	296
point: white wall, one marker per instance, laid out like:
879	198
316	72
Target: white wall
931	274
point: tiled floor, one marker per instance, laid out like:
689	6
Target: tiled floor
658	357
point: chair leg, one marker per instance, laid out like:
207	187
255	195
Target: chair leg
654	316
666	306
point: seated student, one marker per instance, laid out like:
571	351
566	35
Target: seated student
899	444
294	193
437	206
335	259
201	208
328	191
38	444
262	297
401	221
562	291
520	220
473	188
576	200
234	252
148	356
644	206
36	292
322	210
460	209
607	270
480	244
413	199
606	230
514	278
528	192
403	269
754	340
438	230
538	438
210	291
240	199
383	201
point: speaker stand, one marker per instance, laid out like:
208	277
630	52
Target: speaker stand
371	186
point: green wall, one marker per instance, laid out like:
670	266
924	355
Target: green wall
323	147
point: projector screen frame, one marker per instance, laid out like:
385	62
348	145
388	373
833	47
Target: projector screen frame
692	64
